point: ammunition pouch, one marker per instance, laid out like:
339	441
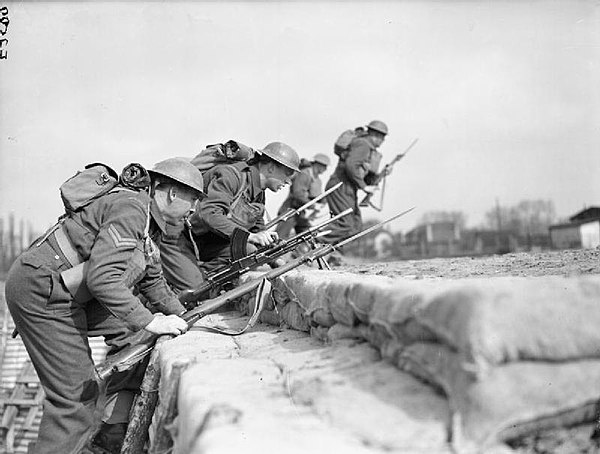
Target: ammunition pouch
239	243
75	281
74	278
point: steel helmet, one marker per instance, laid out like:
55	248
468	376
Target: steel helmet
378	126
283	154
180	170
322	159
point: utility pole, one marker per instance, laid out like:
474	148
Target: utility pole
499	222
498	217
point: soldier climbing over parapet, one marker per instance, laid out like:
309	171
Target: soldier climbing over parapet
357	168
77	281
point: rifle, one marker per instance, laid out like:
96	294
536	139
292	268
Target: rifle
384	173
143	341
291	212
262	256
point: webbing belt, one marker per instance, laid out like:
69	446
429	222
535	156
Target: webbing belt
66	247
74	277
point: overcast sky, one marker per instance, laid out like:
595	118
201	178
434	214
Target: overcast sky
503	96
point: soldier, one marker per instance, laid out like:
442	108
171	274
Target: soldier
306	185
179	252
115	235
235	199
356	169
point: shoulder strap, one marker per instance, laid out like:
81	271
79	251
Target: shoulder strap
243	184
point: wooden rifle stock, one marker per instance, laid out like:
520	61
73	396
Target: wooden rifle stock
142	344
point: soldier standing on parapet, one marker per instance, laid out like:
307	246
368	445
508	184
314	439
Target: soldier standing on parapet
115	235
235	201
306	185
357	169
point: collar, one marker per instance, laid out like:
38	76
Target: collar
157	217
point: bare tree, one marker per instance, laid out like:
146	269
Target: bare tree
528	217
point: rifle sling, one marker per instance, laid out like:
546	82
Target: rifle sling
262	292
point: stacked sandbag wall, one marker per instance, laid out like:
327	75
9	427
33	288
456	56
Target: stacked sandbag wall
512	355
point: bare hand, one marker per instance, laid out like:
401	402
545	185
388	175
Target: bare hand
167	324
370	189
264	238
277	263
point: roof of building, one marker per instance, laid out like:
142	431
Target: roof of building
586	214
573	224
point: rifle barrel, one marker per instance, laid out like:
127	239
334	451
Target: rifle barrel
412	144
371	229
288	214
143	341
260	257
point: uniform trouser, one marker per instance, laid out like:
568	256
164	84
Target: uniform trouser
342	199
180	267
219	257
55	331
299	223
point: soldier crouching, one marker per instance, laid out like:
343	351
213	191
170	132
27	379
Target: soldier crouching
114	237
235	200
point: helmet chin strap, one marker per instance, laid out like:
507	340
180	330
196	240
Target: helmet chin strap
263	178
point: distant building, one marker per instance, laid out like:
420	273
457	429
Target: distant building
489	241
582	231
383	244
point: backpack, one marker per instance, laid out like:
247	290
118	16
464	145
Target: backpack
229	152
341	147
98	179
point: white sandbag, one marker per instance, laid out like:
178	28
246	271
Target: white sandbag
513	399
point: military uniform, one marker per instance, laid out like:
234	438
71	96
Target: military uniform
305	187
179	259
113	235
358	170
234	200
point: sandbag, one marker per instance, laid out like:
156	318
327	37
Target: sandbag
511	400
310	293
363	295
339	331
396	313
501	320
293	316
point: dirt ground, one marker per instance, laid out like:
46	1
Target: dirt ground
564	263
574	262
